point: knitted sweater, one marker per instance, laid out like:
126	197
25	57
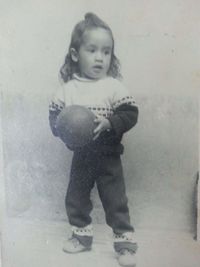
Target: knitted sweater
105	97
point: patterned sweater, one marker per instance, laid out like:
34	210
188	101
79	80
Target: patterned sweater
105	97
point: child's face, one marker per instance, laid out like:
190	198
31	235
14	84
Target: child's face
95	52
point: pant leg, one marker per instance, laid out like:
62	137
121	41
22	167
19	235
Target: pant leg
111	188
112	192
77	202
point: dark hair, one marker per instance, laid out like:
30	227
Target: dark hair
70	67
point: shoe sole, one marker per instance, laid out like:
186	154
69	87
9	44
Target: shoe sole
133	265
78	251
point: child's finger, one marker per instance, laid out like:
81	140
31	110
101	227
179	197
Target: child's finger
97	120
96	136
97	129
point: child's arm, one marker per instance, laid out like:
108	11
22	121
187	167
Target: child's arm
124	118
55	107
125	113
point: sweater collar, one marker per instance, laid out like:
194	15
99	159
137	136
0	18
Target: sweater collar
82	79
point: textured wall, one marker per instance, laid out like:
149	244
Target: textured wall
159	54
160	162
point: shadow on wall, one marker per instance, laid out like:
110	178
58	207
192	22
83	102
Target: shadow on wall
160	160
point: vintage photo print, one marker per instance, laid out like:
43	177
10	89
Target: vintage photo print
99	133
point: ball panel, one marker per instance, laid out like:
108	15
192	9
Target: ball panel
75	125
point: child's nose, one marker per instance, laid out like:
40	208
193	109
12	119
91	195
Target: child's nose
99	56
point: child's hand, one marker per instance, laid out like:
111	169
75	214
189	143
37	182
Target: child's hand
103	125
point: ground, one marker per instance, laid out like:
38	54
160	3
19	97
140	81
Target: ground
39	244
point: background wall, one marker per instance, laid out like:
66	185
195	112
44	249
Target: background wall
158	45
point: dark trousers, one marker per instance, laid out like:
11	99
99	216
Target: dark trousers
106	170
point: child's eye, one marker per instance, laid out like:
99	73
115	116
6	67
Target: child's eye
91	50
107	52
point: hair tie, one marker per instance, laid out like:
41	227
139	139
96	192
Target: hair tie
90	16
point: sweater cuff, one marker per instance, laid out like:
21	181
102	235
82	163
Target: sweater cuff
117	124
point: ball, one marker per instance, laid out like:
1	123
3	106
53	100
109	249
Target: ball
75	126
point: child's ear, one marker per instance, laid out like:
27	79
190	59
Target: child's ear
74	54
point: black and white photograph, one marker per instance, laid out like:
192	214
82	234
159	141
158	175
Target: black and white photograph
99	133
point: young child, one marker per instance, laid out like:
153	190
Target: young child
91	75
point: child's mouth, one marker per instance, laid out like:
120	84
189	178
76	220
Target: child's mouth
98	67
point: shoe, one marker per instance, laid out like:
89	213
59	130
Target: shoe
73	245
126	258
